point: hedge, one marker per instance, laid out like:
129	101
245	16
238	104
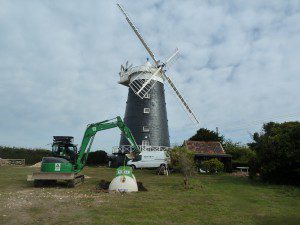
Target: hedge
31	156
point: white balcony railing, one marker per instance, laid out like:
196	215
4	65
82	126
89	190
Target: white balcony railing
129	148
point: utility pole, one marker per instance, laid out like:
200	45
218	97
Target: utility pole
217	130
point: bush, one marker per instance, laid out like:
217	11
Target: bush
212	166
241	154
182	159
31	156
176	155
97	158
253	167
277	153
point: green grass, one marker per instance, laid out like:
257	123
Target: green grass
213	199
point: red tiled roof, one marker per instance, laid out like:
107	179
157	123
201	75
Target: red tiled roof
205	147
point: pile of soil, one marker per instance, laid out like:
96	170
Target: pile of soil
141	186
37	165
104	185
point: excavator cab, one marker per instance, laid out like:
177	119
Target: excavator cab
63	147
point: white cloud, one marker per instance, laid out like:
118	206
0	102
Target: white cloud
59	64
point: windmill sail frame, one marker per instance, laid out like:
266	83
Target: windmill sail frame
142	86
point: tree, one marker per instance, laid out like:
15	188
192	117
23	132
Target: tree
182	159
277	150
204	134
241	154
97	158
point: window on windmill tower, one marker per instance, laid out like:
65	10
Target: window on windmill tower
146	128
146	110
147	95
145	142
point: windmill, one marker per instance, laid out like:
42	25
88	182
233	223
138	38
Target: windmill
146	113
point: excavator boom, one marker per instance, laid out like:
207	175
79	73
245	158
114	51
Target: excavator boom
90	133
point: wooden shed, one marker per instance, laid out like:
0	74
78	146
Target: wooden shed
205	150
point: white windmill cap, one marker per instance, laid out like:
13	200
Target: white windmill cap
148	64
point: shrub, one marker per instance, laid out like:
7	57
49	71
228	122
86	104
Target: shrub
31	156
277	150
97	158
182	159
253	167
241	154
212	166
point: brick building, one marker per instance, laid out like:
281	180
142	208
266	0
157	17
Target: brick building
205	150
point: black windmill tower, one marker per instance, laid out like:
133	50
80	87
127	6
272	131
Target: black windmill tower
146	112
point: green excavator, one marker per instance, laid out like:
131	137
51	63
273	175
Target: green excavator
66	162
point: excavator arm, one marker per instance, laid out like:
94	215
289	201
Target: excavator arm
90	133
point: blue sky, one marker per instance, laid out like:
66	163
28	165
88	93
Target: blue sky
59	64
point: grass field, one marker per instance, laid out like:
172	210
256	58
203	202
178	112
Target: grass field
213	199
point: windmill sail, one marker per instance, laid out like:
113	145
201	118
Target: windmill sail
142	86
138	34
183	102
170	61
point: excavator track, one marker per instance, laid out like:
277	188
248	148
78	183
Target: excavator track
50	179
79	179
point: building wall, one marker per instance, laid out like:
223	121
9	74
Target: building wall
156	120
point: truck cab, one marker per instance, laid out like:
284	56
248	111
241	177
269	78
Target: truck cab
149	159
